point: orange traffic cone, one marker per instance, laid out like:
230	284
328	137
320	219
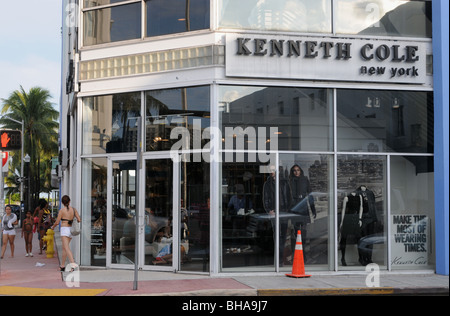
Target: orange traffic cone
298	268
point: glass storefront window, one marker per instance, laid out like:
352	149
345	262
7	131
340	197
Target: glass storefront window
305	194
412	212
118	23
250	212
159	207
247	231
123	219
378	131
119	20
173	112
385	121
109	123
195	216
311	16
175	16
361	210
302	116
398	18
94	195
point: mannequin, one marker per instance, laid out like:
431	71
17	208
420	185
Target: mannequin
351	220
301	198
269	201
369	220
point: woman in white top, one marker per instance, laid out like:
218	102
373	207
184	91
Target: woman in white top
9	233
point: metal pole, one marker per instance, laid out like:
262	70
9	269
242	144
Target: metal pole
138	171
22	203
21	165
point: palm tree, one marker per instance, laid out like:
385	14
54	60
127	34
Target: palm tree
40	130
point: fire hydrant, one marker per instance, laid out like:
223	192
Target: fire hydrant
50	240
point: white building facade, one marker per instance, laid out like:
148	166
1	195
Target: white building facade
185	124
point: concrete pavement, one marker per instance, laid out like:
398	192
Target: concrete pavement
39	276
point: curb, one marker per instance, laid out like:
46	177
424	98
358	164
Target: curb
203	293
388	291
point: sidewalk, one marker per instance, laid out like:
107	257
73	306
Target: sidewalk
20	276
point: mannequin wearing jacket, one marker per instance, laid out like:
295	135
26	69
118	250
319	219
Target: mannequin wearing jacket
269	201
369	220
351	220
301	190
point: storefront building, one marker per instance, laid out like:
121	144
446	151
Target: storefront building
202	135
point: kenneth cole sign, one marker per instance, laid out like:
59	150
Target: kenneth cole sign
326	59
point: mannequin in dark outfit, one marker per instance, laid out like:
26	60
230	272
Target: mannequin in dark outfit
352	210
301	190
369	220
269	201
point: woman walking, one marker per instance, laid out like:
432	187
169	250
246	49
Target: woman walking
27	234
8	230
66	216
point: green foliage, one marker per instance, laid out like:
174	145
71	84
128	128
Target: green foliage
41	131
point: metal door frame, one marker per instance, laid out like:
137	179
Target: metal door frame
175	213
110	183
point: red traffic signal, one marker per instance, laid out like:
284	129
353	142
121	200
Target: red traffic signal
10	140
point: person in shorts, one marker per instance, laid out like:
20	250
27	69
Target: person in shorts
8	230
66	216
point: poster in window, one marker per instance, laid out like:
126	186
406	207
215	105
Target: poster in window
410	240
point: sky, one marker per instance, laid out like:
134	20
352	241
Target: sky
30	46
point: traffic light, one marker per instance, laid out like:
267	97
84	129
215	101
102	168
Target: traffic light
10	140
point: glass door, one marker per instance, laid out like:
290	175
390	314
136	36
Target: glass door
122	210
176	220
194	216
161	214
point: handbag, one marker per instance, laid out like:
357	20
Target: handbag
75	230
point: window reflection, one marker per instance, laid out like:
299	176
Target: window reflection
250	212
361	210
385	121
248	241
123	227
311	16
159	212
412	212
172	108
195	216
303	117
112	24
384	18
176	16
93	212
309	180
109	123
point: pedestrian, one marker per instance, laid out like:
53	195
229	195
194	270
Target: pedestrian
8	230
27	234
45	220
66	215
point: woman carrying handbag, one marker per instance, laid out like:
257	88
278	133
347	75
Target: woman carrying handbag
66	216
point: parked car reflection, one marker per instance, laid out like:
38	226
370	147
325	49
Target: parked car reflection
124	225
